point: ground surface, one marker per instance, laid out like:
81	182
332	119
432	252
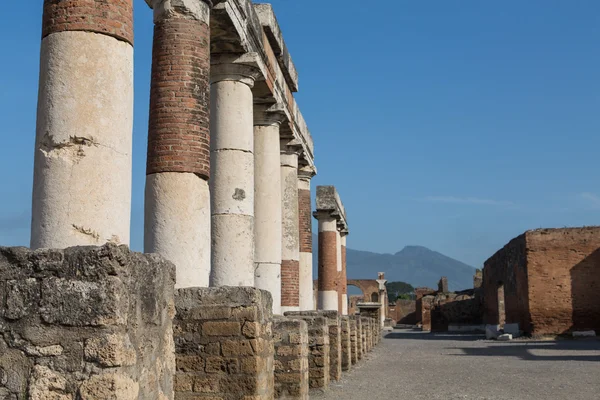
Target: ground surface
413	365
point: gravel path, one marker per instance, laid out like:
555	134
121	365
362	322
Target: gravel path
413	365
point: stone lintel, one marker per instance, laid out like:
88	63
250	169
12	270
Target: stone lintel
267	18
328	202
236	28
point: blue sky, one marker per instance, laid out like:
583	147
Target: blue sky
455	125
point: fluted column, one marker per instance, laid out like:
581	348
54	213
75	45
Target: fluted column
327	296
290	249
232	180
305	174
82	171
177	203
267	200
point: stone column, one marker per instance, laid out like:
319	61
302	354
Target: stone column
267	201
344	275
177	204
290	250
328	255
82	171
232	181
338	265
305	174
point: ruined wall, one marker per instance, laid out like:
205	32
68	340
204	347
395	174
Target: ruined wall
403	312
460	308
507	268
224	344
563	272
420	292
87	323
291	358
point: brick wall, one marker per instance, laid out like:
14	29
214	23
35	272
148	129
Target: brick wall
291	358
318	349
404	312
112	18
419	293
346	344
224	344
290	286
328	275
86	323
178	131
305	220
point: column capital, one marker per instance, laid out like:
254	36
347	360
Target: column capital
198	10
269	114
307	172
242	68
321	215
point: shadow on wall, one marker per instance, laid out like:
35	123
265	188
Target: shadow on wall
585	292
564	350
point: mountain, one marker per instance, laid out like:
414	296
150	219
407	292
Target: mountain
416	265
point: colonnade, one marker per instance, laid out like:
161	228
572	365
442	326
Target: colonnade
229	160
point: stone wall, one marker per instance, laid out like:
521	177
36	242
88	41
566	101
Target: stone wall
456	308
353	341
291	358
359	337
346	342
426	306
421	292
85	323
224	344
403	312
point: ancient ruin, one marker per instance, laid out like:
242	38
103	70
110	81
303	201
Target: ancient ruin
227	219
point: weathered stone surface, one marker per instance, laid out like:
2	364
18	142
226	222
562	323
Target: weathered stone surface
346	343
291	358
224	344
85	323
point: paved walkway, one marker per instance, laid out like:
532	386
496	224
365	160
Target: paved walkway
413	365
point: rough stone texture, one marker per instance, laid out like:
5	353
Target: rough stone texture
291	358
403	312
366	325
456	308
112	18
420	292
85	323
478	279
224	344
426	306
443	285
346	343
359	337
318	347
353	340
550	279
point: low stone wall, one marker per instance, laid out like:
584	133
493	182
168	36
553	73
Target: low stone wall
85	323
353	340
224	344
291	358
366	334
359	337
346	344
318	349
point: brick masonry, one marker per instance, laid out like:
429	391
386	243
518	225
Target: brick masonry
224	344
550	279
318	348
403	312
328	275
305	220
346	344
109	17
87	323
291	358
290	286
178	131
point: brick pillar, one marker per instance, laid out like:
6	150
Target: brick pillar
318	349
291	358
353	340
82	169
223	343
346	344
177	200
328	257
267	201
343	284
305	175
290	250
232	180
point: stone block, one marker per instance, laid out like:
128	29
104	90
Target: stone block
492	331
505	337
318	348
291	358
223	343
359	337
353	340
86	323
513	329
346	344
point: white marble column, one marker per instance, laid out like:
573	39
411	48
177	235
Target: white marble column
267	200
290	250
82	170
344	274
232	171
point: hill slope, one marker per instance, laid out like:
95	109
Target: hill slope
416	265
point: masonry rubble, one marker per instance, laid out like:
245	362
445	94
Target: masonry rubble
227	203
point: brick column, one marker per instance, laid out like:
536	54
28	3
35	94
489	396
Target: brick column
267	201
343	283
328	256
232	180
305	175
177	200
290	250
82	170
